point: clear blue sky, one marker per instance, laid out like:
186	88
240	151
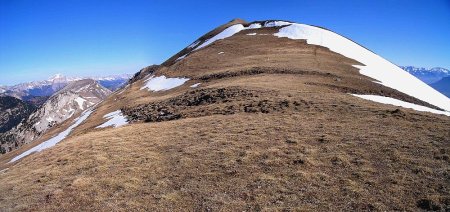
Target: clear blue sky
39	38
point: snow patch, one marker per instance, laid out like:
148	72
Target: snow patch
276	23
80	102
220	52
162	83
182	57
116	119
374	66
195	85
254	26
396	102
228	32
252	33
82	88
53	141
193	44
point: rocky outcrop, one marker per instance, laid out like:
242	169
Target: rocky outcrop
12	112
72	99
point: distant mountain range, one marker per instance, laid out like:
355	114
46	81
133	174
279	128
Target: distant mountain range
443	86
438	78
427	75
33	92
73	99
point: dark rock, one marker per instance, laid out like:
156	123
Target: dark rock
427	204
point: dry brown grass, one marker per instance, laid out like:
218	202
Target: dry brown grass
336	152
305	161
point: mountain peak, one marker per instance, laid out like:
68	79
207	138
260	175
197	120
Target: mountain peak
57	77
237	21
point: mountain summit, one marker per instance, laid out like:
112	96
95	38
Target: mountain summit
264	115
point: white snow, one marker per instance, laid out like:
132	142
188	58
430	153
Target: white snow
71	110
53	141
80	102
220	52
82	89
374	66
254	26
252	33
195	85
194	44
115	119
396	102
228	32
182	57
162	83
276	23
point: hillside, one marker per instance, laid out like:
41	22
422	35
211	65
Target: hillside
267	115
73	99
443	86
12	112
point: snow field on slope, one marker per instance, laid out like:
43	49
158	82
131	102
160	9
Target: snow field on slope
162	83
374	66
396	102
230	31
80	102
115	119
53	141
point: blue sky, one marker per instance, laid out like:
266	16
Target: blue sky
39	38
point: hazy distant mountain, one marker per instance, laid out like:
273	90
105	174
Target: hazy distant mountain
427	75
442	86
29	90
438	78
36	88
113	82
3	89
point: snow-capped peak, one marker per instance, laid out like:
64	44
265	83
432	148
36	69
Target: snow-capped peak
374	66
57	77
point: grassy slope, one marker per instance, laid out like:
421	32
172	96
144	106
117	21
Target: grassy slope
244	161
331	151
